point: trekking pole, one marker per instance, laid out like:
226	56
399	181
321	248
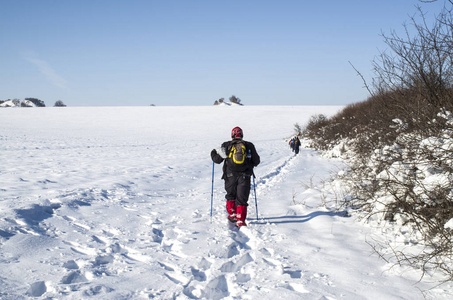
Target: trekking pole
256	202
212	188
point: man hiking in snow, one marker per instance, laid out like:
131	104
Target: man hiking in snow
291	144
296	145
239	157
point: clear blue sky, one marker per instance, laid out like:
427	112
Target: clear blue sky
190	52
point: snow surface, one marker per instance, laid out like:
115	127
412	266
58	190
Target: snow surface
114	203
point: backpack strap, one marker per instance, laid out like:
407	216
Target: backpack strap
230	147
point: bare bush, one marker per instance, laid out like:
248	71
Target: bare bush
59	103
401	171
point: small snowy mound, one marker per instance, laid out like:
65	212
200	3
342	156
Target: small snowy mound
229	104
27	103
8	103
17	103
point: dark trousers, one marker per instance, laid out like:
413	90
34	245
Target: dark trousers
237	188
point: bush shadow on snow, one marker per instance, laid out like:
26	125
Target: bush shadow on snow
301	219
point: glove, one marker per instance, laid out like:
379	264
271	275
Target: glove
213	153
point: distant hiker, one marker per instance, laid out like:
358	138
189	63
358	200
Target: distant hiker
239	157
291	144
296	145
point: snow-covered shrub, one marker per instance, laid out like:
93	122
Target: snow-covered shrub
408	184
399	143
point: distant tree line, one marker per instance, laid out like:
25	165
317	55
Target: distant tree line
37	102
233	99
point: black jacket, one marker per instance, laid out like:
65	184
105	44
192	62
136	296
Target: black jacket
251	162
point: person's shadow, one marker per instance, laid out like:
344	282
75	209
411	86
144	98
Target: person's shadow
299	219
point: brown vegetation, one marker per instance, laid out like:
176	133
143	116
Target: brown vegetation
399	136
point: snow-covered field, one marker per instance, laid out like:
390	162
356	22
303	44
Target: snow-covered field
114	203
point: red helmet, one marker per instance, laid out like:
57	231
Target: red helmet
236	133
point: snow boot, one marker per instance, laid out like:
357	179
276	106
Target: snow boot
241	215
231	209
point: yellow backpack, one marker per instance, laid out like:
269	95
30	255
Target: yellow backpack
238	153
